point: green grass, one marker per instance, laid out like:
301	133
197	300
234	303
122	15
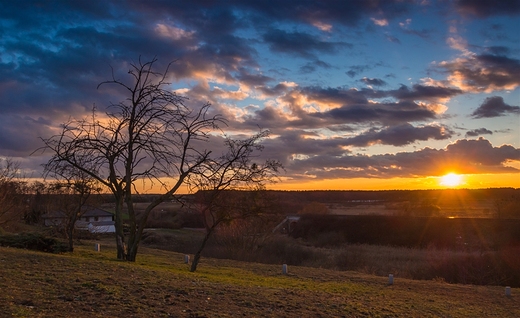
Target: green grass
159	284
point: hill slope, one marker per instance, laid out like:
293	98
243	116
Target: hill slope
94	284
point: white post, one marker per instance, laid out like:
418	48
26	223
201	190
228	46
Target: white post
97	247
508	291
390	279
284	269
186	259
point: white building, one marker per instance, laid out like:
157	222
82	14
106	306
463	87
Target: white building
93	219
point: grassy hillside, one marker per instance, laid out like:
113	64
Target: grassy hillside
94	284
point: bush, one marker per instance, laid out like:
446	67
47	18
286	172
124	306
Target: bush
164	219
151	238
33	241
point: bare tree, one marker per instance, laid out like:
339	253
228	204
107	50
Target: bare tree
11	190
150	136
71	190
234	170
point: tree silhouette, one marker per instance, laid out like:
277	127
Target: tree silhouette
151	136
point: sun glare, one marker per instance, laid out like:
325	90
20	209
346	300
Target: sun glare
451	180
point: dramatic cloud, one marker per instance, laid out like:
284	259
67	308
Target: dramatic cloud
463	156
341	12
385	113
357	69
484	73
299	43
421	92
346	88
373	81
313	66
478	132
494	107
400	135
483	8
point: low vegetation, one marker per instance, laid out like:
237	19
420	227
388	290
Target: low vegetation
94	284
33	241
500	267
342	267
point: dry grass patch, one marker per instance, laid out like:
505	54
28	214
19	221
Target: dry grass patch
159	284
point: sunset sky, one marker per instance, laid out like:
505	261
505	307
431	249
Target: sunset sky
357	94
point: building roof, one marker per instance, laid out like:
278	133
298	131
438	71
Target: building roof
91	211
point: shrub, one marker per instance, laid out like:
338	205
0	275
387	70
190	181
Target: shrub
33	241
153	238
165	219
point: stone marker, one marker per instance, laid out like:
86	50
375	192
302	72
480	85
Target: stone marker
186	259
97	247
508	291
390	279
284	269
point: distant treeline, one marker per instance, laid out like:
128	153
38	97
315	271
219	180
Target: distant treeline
400	195
376	195
413	232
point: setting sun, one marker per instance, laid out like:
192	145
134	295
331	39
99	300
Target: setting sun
451	180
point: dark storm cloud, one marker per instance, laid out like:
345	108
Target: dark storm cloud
68	61
355	110
494	107
334	95
299	43
312	66
54	53
463	156
268	116
486	8
212	20
19	135
279	123
357	69
485	72
478	132
355	106
385	113
350	106
421	92
498	50
253	79
373	81
400	135
342	12
481	152
276	90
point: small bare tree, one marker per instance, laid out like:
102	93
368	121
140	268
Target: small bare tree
222	207
71	190
151	136
234	170
11	190
242	239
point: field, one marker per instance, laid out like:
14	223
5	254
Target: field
94	284
474	208
481	203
